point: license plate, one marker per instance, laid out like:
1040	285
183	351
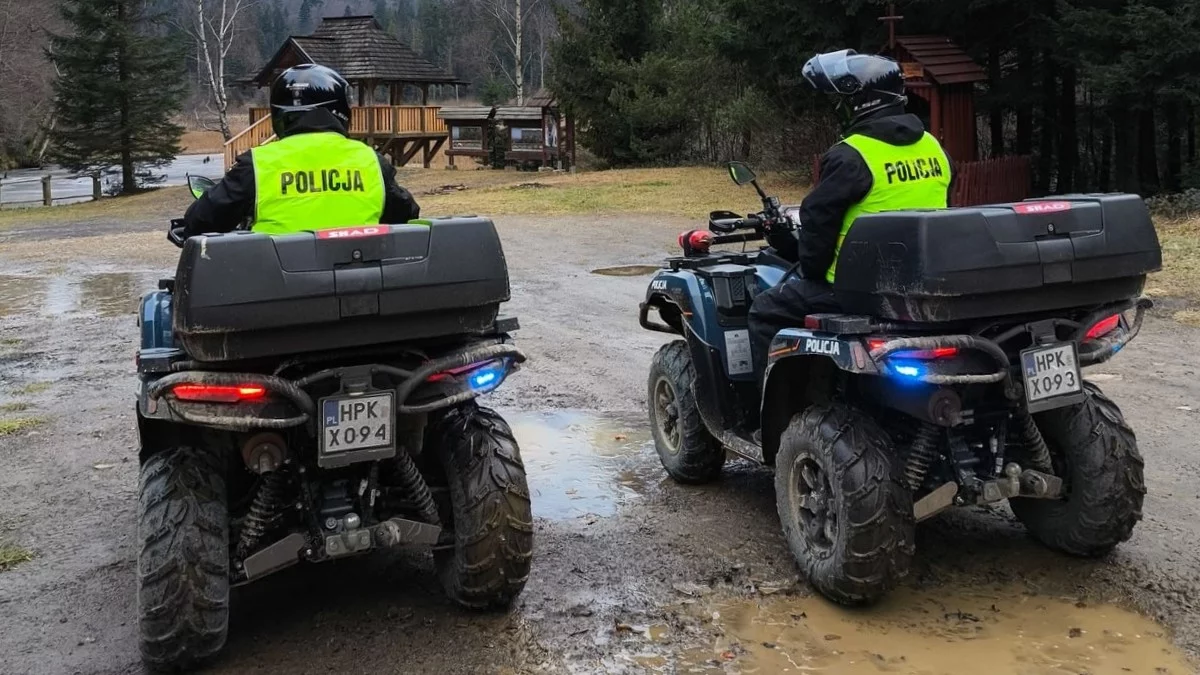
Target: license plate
1050	373
350	423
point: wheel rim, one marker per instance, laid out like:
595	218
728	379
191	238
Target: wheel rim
666	414
813	498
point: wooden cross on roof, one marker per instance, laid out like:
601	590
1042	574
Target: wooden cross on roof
891	20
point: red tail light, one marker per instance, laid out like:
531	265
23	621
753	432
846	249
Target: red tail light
920	355
213	393
1104	327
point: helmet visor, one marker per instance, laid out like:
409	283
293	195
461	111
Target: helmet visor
831	73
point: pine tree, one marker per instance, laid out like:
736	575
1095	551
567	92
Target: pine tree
119	85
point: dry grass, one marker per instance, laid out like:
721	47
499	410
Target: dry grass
1180	277
11	556
17	407
33	388
684	192
202	142
18	424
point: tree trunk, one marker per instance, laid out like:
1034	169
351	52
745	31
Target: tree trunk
1124	159
1025	108
1049	126
519	64
1068	132
1106	150
128	179
1191	132
997	109
1147	151
1173	178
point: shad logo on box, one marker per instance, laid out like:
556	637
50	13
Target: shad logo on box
354	232
827	347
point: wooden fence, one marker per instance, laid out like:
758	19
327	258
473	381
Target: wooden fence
990	181
48	197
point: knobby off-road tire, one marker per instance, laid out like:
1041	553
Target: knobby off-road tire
687	450
869	546
491	513
183	563
1095	452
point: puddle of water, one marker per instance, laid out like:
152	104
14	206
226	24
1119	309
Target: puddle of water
19	294
105	294
580	464
627	270
1001	631
111	294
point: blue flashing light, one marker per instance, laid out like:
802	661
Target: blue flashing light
489	377
908	369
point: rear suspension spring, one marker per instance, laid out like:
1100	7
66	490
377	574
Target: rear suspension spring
921	456
1033	444
412	483
267	505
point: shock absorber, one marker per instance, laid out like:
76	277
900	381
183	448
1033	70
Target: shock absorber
266	507
412	482
921	456
1034	446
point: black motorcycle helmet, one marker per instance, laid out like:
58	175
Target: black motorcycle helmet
302	89
865	84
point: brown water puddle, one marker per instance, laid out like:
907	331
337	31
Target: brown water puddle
103	294
582	464
931	632
627	270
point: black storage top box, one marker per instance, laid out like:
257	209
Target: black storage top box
991	261
243	295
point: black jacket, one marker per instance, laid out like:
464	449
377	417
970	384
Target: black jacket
232	199
845	180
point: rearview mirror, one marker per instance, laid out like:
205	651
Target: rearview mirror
741	173
199	185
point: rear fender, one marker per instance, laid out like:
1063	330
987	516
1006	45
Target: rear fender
154	320
802	368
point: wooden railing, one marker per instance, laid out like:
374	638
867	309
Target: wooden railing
383	120
365	122
258	133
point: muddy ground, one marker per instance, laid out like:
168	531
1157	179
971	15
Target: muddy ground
632	573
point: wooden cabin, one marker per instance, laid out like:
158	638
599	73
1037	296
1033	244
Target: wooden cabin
537	132
941	81
390	88
470	132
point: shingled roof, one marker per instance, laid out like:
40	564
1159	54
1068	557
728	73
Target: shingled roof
944	62
358	48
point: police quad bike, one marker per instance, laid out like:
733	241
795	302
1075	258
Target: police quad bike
951	379
312	397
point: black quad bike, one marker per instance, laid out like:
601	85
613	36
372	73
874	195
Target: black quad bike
952	378
312	397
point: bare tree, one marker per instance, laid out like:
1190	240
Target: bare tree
511	15
25	77
213	26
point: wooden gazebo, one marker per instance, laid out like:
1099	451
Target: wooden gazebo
378	66
538	133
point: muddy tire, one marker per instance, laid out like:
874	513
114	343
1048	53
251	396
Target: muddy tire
1095	452
845	513
183	563
687	450
490	514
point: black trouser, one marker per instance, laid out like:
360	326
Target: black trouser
785	306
